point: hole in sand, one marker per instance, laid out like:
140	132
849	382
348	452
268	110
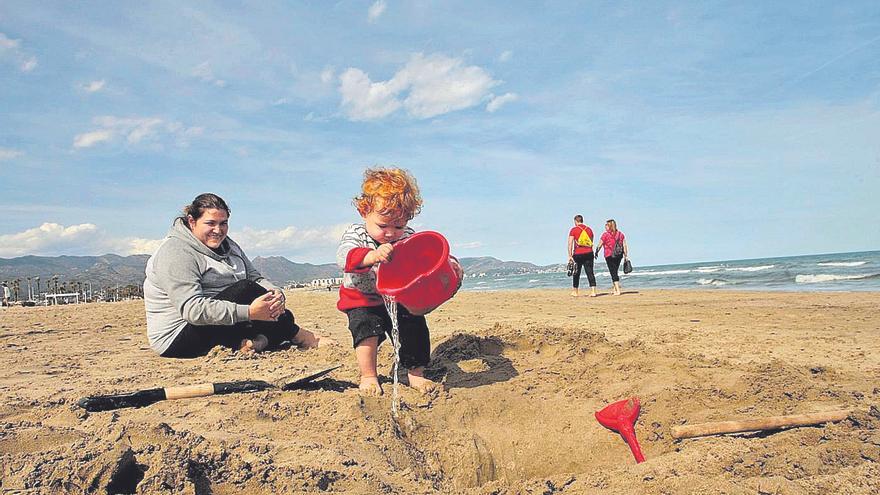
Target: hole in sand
127	475
529	427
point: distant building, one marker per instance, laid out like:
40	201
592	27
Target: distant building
326	282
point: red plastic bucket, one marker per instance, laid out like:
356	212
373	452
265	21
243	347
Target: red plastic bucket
420	275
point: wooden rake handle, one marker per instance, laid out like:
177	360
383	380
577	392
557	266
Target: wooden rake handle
759	424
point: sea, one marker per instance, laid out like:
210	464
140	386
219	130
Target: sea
812	273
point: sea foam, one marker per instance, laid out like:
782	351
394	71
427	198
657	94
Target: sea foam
825	277
750	268
842	263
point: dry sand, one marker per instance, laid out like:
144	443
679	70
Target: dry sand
525	372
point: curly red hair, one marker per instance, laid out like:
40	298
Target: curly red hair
389	191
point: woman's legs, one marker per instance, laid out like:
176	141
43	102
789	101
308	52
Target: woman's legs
613	263
197	340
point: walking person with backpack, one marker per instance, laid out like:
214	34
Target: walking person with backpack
580	254
614	243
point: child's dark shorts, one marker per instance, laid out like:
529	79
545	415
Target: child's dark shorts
373	321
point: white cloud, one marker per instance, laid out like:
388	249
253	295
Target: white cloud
29	64
433	85
498	101
90	139
364	99
135	130
7	43
9	154
52	239
45	238
262	242
376	10
505	56
94	86
468	245
135	245
327	75
25	62
442	84
204	72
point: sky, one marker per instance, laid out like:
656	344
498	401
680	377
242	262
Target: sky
708	130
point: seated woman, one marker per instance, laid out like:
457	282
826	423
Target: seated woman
202	291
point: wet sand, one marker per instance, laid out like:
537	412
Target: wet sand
524	373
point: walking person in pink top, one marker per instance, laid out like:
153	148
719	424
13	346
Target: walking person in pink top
616	250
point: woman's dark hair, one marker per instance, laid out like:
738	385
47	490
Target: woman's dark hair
206	201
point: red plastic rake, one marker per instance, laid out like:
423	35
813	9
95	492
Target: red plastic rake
621	417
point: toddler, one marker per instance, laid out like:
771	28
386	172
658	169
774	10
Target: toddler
389	199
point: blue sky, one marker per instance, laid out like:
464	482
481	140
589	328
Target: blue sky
709	130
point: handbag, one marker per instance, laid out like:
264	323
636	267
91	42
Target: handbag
627	266
570	267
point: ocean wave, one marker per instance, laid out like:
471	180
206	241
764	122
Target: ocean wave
750	268
712	281
707	269
533	280
825	277
842	263
664	272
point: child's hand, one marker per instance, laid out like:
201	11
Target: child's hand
381	254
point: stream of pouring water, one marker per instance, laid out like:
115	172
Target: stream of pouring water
391	306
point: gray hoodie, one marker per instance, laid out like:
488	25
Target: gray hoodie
183	275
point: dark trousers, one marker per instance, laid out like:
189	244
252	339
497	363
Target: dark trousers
586	261
373	321
613	263
197	340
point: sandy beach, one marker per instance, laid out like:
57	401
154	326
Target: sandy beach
524	373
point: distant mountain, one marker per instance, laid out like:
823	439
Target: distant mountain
283	271
111	269
489	266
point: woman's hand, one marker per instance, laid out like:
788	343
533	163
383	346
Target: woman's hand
267	307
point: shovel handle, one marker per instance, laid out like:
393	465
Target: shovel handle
759	424
143	398
188	391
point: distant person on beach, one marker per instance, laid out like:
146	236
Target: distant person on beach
6	294
614	243
389	199
202	291
580	251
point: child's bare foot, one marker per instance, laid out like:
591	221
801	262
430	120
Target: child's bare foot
257	344
423	385
370	387
573	293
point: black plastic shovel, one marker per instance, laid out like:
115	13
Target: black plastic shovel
143	398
